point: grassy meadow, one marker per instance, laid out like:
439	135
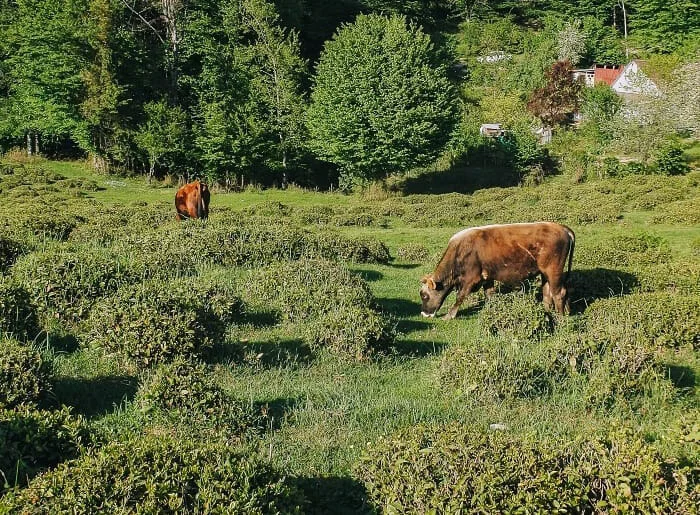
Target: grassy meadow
303	308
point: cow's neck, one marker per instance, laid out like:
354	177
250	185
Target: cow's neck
445	272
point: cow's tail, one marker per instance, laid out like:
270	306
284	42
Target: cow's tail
200	201
572	244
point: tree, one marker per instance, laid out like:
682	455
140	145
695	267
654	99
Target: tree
558	99
380	102
600	104
274	54
161	136
46	55
571	42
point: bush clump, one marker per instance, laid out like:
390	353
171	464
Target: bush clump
10	250
336	307
497	368
413	252
625	250
156	321
646	319
17	313
64	281
185	389
155	474
24	375
516	315
34	440
452	469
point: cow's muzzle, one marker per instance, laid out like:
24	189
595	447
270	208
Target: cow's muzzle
427	315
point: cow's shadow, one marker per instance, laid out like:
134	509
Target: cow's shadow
588	285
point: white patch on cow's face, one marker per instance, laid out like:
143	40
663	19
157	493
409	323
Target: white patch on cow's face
427	315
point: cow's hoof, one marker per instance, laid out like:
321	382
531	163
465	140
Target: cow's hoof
448	316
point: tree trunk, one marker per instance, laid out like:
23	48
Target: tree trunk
624	24
29	144
151	172
37	151
170	11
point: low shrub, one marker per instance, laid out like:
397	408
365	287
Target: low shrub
184	389
680	276
625	250
32	441
413	252
17	314
336	306
159	475
648	319
351	332
155	322
452	469
515	315
670	160
695	247
497	368
64	280
24	376
682	212
10	250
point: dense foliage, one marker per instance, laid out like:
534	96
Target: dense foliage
221	88
449	469
163	475
380	102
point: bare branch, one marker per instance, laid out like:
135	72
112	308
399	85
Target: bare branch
144	20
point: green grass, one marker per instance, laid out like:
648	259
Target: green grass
321	412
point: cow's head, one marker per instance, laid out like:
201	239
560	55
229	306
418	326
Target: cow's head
432	295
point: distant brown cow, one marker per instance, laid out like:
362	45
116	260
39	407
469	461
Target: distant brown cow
507	253
192	201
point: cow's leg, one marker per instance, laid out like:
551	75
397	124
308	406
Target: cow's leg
558	293
489	288
547	296
461	295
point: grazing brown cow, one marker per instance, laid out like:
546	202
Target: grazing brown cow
192	201
507	253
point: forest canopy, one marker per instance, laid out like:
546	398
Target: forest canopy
223	88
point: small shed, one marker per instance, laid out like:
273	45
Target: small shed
491	130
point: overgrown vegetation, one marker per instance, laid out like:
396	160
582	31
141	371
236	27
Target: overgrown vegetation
273	359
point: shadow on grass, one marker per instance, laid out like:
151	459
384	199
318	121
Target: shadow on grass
405	266
337	495
586	286
274	411
460	178
258	319
276	353
369	275
400	307
416	349
682	377
93	397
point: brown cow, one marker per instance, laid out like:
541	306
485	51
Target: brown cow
507	253
192	201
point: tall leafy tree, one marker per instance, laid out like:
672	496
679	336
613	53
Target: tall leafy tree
46	54
559	98
664	25
380	102
274	55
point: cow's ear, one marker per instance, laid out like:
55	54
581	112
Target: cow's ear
429	282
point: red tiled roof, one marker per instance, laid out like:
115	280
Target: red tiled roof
607	74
